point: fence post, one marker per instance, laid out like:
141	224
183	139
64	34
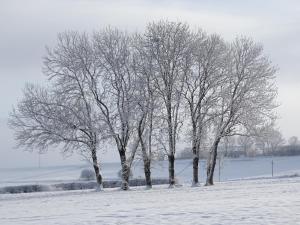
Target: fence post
219	169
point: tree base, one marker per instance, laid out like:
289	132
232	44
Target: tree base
125	186
195	184
99	188
208	184
171	186
148	187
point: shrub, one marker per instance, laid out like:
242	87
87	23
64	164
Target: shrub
87	174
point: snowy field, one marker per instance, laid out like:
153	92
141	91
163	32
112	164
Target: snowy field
231	169
266	201
238	199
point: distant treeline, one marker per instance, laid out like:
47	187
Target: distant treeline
285	150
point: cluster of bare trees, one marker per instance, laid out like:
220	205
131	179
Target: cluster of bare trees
139	91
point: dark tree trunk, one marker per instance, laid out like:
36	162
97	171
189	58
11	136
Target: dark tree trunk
171	159
125	170
98	176
97	170
171	134
146	158
212	163
195	150
147	171
195	170
195	162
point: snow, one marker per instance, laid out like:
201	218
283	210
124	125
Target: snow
239	168
246	195
262	201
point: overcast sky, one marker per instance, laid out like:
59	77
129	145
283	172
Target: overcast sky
27	26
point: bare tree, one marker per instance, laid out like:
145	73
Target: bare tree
246	143
66	66
48	117
247	96
169	46
114	90
293	141
201	88
269	138
130	89
101	66
147	101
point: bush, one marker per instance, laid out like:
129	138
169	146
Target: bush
87	174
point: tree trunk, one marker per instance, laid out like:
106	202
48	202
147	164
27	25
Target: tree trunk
171	159
171	138
211	164
98	177
146	158
195	150
147	171
195	170
125	170
97	170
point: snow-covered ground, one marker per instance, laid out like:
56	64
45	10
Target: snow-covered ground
263	201
230	169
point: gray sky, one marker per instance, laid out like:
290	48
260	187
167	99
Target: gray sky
27	26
